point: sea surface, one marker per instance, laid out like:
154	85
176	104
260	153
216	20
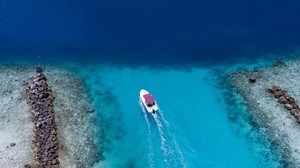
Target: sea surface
178	50
139	32
193	127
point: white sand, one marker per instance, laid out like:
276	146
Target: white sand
268	111
75	122
76	127
15	120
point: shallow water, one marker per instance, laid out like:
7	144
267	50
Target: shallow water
192	128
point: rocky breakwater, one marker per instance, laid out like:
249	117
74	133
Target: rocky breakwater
270	117
287	100
45	138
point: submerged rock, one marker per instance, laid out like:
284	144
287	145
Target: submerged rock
252	79
278	93
288	106
293	111
273	89
282	100
39	70
267	113
45	128
27	166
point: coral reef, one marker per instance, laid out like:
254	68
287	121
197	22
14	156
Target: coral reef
267	114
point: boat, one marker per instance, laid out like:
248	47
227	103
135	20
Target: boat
148	102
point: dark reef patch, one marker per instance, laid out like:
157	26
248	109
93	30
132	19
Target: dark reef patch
106	111
266	115
249	124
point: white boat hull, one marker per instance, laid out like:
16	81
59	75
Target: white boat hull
153	108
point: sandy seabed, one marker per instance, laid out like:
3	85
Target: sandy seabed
73	114
266	111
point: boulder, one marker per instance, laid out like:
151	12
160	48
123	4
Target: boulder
39	70
290	99
278	93
294	111
27	166
252	79
297	115
54	161
288	106
282	100
273	89
295	106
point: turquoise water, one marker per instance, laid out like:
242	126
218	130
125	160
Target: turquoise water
192	128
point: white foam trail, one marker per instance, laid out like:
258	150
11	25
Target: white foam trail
151	150
163	118
161	134
169	146
162	139
177	150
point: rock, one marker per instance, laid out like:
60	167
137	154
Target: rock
295	106
290	99
278	93
90	109
55	166
45	138
288	106
39	70
297	115
282	100
54	161
12	144
273	89
38	124
252	79
294	111
27	166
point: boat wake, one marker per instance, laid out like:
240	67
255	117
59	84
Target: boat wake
170	151
149	138
172	154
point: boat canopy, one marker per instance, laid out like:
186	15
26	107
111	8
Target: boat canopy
149	98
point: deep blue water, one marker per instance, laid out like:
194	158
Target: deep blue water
175	31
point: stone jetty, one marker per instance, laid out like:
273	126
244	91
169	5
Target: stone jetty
287	100
45	139
267	113
75	119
